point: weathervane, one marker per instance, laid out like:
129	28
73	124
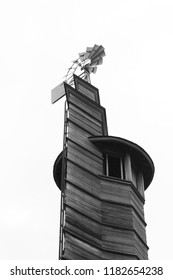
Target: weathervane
84	65
87	63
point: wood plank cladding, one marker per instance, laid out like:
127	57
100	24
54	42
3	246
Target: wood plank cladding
79	154
103	217
81	118
88	106
87	212
121	193
122	216
82	179
91	108
87	89
85	116
76	249
83	203
86	92
80	136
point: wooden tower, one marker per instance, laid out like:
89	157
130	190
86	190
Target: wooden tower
102	181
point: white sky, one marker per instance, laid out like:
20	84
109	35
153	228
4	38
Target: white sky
39	39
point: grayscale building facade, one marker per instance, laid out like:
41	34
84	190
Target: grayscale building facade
102	180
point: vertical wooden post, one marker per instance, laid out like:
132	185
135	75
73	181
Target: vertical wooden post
107	165
141	184
122	169
128	168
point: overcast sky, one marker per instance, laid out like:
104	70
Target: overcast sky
39	39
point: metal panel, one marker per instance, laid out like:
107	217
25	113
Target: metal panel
57	92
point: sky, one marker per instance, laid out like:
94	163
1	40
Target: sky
39	40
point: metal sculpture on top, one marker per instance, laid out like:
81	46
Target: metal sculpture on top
86	63
83	66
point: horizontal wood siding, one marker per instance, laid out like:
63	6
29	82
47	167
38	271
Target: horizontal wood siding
85	122
86	126
123	216
86	115
104	217
117	215
90	213
83	202
82	226
83	179
118	240
139	226
76	249
86	92
80	136
141	249
117	256
124	241
80	248
121	192
82	157
91	108
137	204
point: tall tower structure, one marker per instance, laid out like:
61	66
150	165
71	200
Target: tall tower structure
102	180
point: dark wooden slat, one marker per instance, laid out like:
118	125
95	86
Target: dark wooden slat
86	92
123	241
117	256
83	203
80	156
141	249
83	120
80	149
91	108
87	165
79	136
85	126
82	226
71	254
81	248
117	215
118	240
83	179
139	226
85	114
117	192
76	249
